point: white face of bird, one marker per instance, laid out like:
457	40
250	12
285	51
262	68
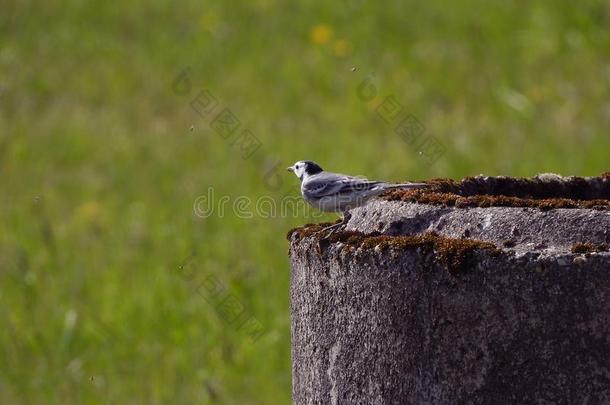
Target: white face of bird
304	168
298	169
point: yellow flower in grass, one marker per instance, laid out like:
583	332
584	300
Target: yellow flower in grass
342	47
89	212
320	34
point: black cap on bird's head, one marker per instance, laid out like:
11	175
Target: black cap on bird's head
311	167
305	167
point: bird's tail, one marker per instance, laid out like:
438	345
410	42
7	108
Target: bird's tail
407	185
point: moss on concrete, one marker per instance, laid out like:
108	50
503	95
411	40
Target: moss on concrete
545	192
587	247
453	253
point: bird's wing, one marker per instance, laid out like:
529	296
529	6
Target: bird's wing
329	184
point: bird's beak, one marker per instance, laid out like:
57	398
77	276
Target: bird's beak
290	169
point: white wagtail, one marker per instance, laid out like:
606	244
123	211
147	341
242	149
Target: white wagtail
334	192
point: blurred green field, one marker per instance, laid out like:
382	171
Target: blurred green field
102	160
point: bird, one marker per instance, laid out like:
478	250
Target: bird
336	192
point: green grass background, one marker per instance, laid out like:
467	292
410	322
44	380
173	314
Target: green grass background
99	166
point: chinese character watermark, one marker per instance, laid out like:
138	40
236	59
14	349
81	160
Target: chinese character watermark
221	120
226	304
406	126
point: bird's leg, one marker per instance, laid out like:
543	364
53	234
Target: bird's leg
346	217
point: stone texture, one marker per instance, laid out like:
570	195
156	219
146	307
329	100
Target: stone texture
554	230
393	326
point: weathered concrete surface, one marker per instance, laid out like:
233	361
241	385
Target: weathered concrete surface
389	325
395	328
528	229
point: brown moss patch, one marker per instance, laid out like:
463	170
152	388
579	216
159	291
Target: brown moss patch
587	247
308	230
454	200
454	253
544	192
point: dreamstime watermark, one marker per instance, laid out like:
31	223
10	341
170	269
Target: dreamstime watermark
406	126
226	124
226	304
265	206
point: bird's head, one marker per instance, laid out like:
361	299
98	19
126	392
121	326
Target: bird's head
304	168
